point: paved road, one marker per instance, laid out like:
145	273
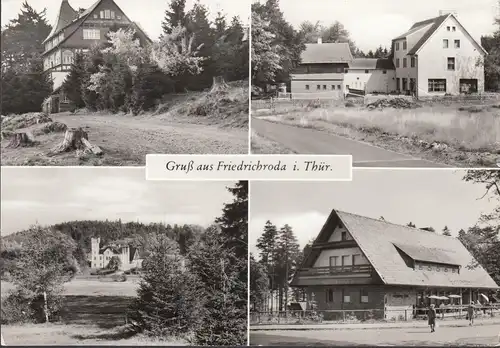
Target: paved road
445	336
311	141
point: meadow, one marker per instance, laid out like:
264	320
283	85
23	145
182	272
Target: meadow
94	313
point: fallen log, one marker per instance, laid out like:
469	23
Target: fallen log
77	139
21	140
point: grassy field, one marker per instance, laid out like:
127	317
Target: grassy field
262	145
94	313
460	127
195	123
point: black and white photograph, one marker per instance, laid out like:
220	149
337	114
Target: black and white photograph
106	82
100	256
393	258
394	84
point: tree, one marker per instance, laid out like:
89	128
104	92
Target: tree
411	224
446	231
265	57
267	245
492	60
491	182
72	85
22	38
175	16
259	283
225	307
234	221
45	263
114	263
287	254
169	299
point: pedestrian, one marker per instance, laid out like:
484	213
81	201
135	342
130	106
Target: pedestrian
431	315
441	309
470	313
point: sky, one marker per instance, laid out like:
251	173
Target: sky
53	195
148	13
373	23
435	198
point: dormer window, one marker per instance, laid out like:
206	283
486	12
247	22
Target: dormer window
344	236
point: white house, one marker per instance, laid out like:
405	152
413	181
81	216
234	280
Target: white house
437	57
129	256
370	75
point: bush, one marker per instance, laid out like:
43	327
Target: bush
119	278
25	307
150	84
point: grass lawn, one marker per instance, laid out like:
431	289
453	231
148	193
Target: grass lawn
262	145
463	128
94	312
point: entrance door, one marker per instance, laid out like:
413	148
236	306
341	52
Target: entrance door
468	86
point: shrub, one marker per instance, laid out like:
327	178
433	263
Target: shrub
26	307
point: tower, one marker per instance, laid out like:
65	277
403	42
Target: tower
95	243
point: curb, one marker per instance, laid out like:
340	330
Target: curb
295	328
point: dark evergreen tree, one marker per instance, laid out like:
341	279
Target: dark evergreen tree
72	85
411	224
446	231
175	16
287	254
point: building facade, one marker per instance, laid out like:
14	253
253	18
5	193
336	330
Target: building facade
358	263
129	256
438	57
77	32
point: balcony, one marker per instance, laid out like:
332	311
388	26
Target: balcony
334	270
335	245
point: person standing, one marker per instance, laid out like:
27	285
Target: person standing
470	313
441	309
431	315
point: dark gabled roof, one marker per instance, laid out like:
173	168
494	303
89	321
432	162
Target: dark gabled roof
378	239
65	17
436	23
326	53
78	21
372	63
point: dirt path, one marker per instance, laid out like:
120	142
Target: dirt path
126	141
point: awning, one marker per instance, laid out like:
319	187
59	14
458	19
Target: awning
438	297
454	296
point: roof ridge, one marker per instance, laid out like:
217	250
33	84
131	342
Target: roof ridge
392	223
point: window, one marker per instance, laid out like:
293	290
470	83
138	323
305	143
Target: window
112	14
91	34
384	72
397	62
429	268
102	14
333	87
334	261
404	45
318	87
397	46
446	269
329	295
448	28
445	43
420	266
345	260
338	87
364	296
307	87
343	236
437	85
457	43
366	71
398	87
324	87
404	63
453	28
107	14
451	63
67	57
346	298
94	258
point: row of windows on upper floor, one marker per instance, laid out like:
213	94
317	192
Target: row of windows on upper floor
405	43
450	63
54	41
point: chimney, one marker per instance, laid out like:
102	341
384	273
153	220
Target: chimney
320	41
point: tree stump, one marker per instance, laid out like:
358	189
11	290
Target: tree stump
21	140
76	139
219	84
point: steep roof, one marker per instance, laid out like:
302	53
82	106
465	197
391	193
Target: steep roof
372	63
380	241
326	53
429	27
65	17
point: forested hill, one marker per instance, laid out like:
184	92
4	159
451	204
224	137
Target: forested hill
135	233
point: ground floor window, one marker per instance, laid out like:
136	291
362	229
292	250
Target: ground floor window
398	84
437	85
404	80
364	296
307	87
329	295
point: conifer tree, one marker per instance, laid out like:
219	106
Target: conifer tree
175	16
